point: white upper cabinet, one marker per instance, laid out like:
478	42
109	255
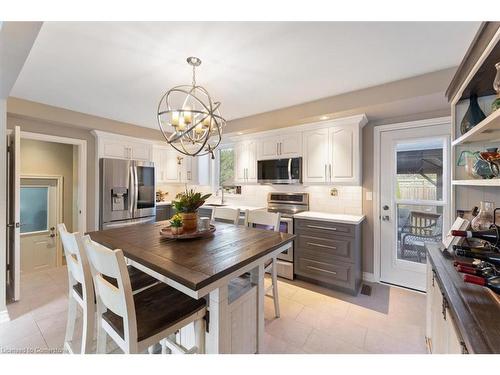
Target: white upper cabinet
288	146
332	154
245	154
173	167
316	158
345	154
122	147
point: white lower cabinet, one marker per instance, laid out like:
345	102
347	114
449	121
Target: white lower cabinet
442	336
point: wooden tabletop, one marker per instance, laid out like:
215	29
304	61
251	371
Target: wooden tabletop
192	263
475	309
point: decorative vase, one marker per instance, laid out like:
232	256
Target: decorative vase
484	219
496	86
189	220
473	116
176	230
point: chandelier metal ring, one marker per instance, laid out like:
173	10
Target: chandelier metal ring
189	119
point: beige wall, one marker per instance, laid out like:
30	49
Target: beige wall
49	158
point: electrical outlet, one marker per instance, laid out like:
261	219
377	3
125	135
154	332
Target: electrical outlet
334	192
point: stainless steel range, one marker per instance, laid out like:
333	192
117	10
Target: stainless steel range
287	204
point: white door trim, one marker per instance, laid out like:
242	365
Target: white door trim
82	169
60	206
377	133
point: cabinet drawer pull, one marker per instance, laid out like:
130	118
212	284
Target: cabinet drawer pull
322	270
320	227
321	245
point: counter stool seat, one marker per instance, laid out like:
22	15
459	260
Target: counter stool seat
157	308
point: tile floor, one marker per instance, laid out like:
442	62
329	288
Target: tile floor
313	319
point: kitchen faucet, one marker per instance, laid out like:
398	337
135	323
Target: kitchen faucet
222	194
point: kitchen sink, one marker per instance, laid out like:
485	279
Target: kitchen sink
215	205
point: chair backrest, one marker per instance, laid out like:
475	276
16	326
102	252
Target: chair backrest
260	217
78	265
226	214
120	300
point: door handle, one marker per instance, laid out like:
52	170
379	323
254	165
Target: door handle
326	174
277	149
330	171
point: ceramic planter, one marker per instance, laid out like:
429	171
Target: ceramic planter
189	220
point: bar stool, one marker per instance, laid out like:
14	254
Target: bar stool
137	321
81	289
226	214
268	219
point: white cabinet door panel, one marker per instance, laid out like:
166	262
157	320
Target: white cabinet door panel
342	150
251	161
268	148
140	151
291	145
316	155
115	150
240	158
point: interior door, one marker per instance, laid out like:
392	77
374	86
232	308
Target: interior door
413	201
39	208
13	219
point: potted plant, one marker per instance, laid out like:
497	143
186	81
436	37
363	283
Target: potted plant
176	224
187	204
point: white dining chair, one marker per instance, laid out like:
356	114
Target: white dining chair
268	219
226	214
135	322
81	289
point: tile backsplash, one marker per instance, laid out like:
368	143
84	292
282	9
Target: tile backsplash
348	200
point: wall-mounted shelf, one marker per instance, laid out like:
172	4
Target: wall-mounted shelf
490	182
487	130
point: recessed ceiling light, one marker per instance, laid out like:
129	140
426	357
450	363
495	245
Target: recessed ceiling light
240	133
324	118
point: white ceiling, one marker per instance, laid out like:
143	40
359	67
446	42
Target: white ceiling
120	70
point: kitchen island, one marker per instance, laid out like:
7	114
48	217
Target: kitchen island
209	268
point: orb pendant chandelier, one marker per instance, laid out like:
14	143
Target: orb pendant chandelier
188	118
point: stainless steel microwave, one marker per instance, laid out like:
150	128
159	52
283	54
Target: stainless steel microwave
280	171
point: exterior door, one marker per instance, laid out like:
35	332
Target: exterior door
413	201
13	219
39	211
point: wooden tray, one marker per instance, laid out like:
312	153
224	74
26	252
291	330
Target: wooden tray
166	232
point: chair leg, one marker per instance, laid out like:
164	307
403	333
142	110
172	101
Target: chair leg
70	324
199	335
101	339
88	330
274	275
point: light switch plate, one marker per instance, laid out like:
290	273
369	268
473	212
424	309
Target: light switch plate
369	195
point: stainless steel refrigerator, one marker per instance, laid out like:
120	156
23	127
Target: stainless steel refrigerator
127	192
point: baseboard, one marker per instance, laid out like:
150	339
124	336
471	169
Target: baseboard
369	277
4	316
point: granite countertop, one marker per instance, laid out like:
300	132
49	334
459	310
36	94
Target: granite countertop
324	216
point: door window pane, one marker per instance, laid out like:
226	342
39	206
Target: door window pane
34	209
417	225
419	170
